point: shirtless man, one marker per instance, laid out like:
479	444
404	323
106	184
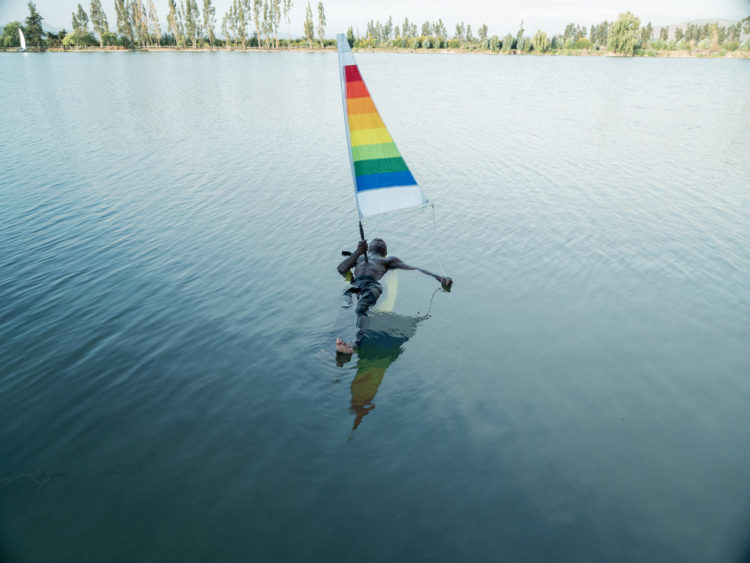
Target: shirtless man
366	276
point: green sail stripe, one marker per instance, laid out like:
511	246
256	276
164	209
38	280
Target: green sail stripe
374	152
379	166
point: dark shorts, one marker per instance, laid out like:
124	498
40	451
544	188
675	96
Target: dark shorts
368	289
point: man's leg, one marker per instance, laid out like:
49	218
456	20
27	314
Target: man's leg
347	325
368	296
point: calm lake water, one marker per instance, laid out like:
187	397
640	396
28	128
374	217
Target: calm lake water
170	224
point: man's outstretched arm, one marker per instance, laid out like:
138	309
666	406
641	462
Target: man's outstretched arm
397	263
350	261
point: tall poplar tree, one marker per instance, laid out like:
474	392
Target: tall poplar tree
225	30
209	21
124	27
139	21
80	23
646	32
265	24
257	12
154	28
482	32
276	20
321	23
309	25
99	20
198	34
241	22
191	16
287	10
172	21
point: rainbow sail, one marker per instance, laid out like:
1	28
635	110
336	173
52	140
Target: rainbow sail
382	181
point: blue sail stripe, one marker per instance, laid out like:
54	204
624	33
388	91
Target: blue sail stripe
385	180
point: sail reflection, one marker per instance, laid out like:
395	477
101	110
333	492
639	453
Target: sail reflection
381	342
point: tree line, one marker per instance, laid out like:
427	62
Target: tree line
256	24
246	24
622	36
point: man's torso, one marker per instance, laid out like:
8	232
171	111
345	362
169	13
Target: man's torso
376	266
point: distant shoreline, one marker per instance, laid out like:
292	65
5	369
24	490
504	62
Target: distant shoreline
666	54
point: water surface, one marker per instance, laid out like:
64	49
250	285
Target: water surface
170	225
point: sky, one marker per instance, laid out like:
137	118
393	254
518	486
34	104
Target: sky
501	16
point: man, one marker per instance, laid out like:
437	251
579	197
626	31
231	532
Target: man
367	272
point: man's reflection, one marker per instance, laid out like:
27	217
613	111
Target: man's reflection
381	340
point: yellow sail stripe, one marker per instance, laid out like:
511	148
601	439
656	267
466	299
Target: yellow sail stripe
370	137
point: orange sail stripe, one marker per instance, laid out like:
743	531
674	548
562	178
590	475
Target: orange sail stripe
360	105
365	121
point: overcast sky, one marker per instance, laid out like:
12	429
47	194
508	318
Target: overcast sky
501	16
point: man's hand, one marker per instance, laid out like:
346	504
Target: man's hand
361	247
446	282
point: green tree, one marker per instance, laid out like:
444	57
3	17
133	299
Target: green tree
664	33
321	23
33	30
405	28
99	20
460	32
469	35
507	43
209	21
192	16
540	41
646	33
350	36
154	28
138	21
623	37
482	32
600	33
494	43
225	26
257	10
276	20
440	29
309	25
58	39
241	23
388	29
172	18
80	22
519	33
287	11
10	36
124	27
265	26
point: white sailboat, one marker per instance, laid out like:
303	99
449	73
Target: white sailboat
23	40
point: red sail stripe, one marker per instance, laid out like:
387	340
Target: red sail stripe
351	72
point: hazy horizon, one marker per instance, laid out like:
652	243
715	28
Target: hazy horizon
502	17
